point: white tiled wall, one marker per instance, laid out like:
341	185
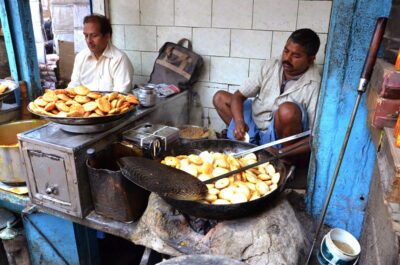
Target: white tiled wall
233	36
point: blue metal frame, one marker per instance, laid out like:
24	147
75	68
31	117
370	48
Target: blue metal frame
351	26
16	20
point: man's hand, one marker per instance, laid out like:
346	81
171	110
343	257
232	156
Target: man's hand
240	129
237	112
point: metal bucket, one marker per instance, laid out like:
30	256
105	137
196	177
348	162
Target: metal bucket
339	247
113	195
12	170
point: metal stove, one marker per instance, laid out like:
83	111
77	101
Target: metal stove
55	159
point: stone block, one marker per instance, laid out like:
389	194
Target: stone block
314	15
194	13
118	36
148	59
273	236
379	242
275	15
395	207
140	79
124	12
229	70
140	38
172	34
232	14
136	60
232	88
215	121
157	12
206	91
211	41
279	39
255	67
205	72
321	52
251	44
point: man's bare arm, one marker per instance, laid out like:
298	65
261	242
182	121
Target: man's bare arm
237	113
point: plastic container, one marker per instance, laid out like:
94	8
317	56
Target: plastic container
397	64
339	247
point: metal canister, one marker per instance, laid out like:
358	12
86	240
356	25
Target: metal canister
147	96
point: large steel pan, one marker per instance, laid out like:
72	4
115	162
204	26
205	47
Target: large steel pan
12	85
87	120
229	211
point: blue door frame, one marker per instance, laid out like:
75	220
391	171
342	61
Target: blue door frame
351	26
15	16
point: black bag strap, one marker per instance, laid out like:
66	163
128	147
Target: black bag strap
182	42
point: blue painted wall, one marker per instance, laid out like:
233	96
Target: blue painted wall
351	26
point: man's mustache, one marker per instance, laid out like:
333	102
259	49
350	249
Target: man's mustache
287	63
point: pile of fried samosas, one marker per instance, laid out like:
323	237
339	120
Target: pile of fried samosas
81	102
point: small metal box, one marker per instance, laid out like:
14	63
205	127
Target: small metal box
56	169
152	138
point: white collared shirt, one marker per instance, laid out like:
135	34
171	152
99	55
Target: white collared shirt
113	71
265	87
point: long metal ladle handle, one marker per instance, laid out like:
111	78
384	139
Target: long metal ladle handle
365	76
283	140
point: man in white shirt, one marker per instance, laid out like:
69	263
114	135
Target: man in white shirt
101	66
285	97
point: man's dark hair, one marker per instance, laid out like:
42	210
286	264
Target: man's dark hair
306	38
105	26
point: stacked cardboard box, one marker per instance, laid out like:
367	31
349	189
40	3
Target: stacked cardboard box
383	99
48	75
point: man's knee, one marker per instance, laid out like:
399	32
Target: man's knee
220	98
288	113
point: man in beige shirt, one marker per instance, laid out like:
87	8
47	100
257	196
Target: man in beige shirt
101	66
285	96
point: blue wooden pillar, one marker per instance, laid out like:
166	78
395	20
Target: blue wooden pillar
351	26
16	20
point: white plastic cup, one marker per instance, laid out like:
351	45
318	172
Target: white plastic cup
330	253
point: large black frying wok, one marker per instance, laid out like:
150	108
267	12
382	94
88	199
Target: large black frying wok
229	211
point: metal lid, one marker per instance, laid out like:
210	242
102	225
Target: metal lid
5	217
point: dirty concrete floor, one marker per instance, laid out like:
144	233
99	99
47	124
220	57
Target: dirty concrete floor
296	199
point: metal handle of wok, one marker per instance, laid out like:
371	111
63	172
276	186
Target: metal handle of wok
364	79
283	140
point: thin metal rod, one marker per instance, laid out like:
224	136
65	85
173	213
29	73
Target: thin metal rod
339	162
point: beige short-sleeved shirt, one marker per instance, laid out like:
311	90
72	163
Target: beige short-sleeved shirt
265	88
113	71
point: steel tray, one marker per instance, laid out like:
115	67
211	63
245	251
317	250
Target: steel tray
11	87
